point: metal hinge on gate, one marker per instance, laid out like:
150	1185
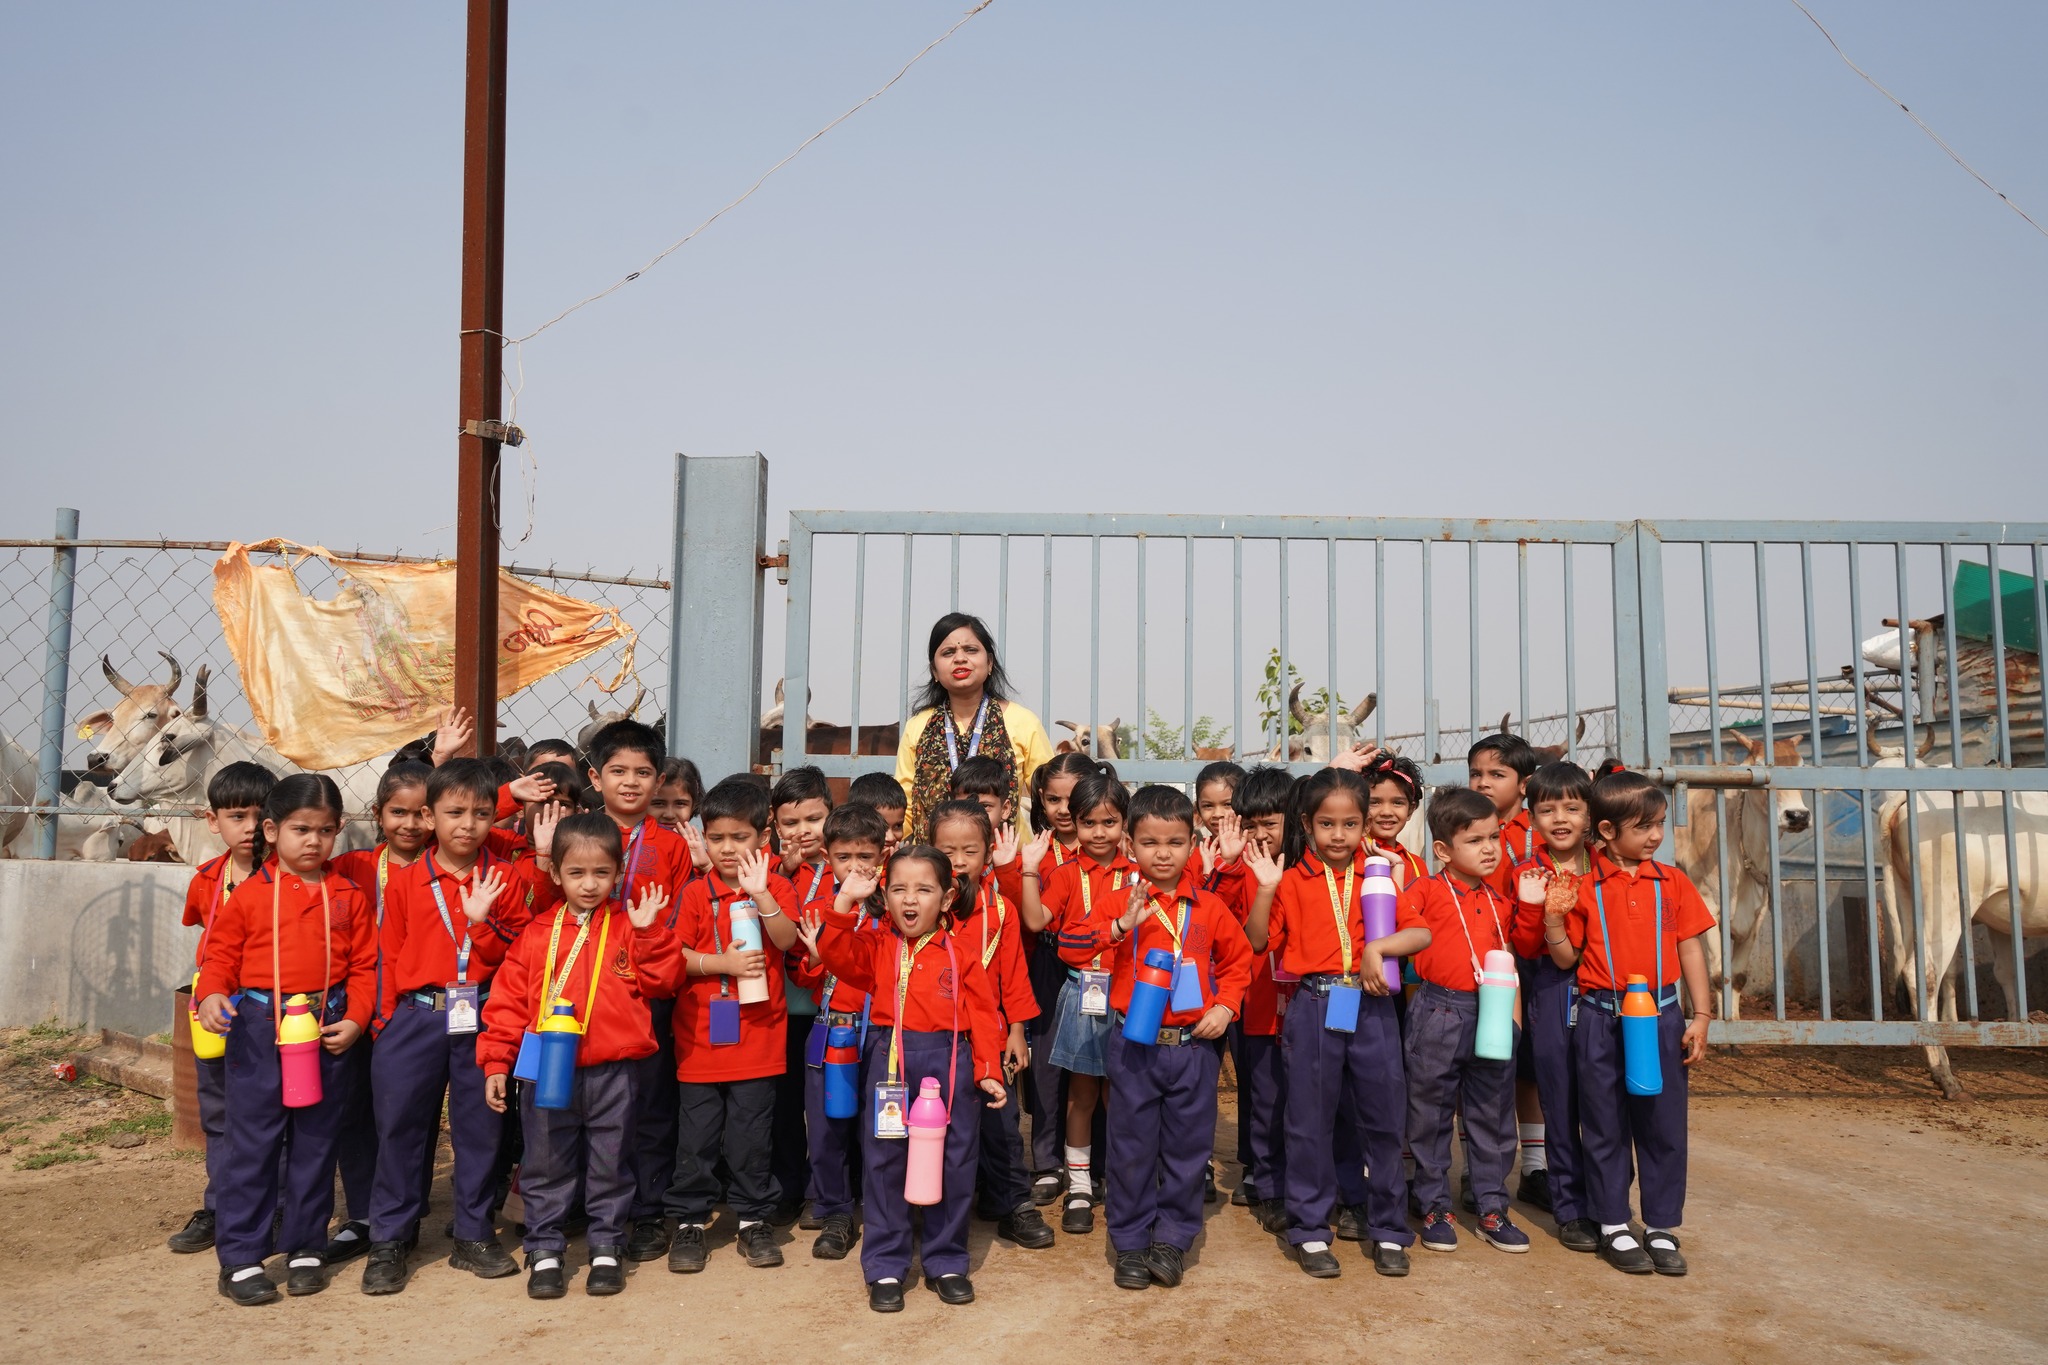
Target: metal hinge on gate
778	561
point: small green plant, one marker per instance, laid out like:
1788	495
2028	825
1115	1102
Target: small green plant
1272	697
149	1125
1163	737
52	1156
49	1028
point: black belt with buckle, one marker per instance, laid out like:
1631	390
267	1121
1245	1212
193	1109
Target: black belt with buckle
437	999
1177	1037
1321	983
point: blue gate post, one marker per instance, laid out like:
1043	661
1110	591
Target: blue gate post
56	680
714	669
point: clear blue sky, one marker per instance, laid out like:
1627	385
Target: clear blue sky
1485	258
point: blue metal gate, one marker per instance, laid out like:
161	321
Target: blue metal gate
1177	637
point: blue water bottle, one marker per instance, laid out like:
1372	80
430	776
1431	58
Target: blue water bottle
560	1036
842	1073
1151	988
1641	1064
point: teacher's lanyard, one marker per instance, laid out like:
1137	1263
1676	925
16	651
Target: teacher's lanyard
1116	883
326	950
973	740
463	944
1177	934
993	904
1341	907
1458	905
1614	982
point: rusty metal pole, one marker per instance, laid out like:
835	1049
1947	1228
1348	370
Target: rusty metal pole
483	320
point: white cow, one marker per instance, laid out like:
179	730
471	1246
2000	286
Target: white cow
175	768
17	788
1314	744
1696	849
123	732
1990	898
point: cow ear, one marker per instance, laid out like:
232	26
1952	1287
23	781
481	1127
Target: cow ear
90	725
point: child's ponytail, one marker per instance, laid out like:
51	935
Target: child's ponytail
300	791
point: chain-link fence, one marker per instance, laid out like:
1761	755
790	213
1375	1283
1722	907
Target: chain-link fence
142	616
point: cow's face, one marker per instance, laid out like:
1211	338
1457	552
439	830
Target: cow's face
1794	815
122	732
172	770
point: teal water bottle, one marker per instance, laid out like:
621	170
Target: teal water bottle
1497	983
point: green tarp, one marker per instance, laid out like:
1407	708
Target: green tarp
2017	602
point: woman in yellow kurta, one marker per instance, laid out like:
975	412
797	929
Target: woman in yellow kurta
964	710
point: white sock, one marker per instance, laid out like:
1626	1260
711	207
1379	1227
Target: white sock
1392	1246
888	1279
1535	1154
1078	1179
297	1261
1624	1240
546	1263
746	1223
604	1260
246	1272
1315	1246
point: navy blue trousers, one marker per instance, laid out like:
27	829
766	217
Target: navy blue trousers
835	1152
1162	1127
1325	1068
885	1248
1262	1114
655	1106
355	1150
1003	1188
1548	992
213	1116
1446	1078
416	1061
584	1148
1615	1125
1045	1085
791	1159
275	1158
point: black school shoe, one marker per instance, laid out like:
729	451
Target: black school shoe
484	1258
786	1213
1350	1223
1242	1197
1665	1257
953	1289
1165	1261
196	1235
648	1240
388	1269
835	1239
1131	1271
1630	1259
1027	1228
1580	1234
687	1253
1078	1219
886	1296
607	1274
1391	1261
545	1278
249	1290
1046	1187
1535	1189
1208	1184
1272	1215
1321	1265
307	1273
756	1244
350	1240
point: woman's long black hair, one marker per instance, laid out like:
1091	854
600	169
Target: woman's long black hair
932	696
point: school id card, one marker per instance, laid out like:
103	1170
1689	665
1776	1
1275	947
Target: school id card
1095	995
892	1110
462	1007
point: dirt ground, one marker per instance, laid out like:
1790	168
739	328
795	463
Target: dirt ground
1838	1211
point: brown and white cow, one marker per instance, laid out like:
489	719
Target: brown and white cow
126	730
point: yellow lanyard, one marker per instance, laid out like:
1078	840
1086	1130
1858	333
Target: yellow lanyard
1342	909
989	945
561	983
906	959
1116	883
326	953
1173	931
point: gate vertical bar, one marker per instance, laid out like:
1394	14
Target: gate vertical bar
56	681
1726	929
1774	902
1630	740
1817	817
1330	602
1139	742
1571	662
1955	749
1094	645
1472	633
1865	812
860	603
1045	644
721	526
1522	628
1379	639
1430	738
1187	663
903	667
1285	723
796	653
1237	645
2017	1005
1656	685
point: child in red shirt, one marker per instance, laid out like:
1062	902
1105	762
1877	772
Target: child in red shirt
729	1052
800	804
992	925
1162	1114
928	993
234	815
1498	768
291	934
1045	1085
1634	917
1099	882
1341	1041
448	919
1465	919
607	957
854	836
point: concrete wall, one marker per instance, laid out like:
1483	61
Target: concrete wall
96	945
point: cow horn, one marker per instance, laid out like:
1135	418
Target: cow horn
778	691
1580	733
177	673
1870	742
1109	739
639	695
1364	708
1505	717
593	709
198	711
114	675
1294	706
1069	724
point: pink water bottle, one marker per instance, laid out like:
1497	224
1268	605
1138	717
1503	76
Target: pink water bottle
298	1053
924	1175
